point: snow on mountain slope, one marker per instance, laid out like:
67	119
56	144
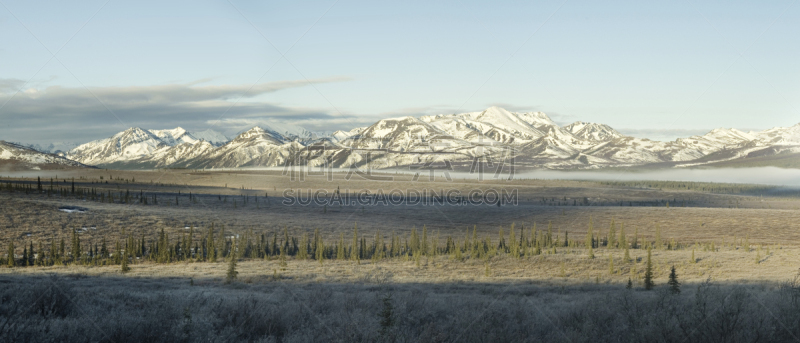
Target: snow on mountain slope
592	131
175	156
248	147
713	141
495	123
136	145
547	148
18	157
287	132
397	134
174	136
779	135
130	144
536	119
629	150
469	131
340	135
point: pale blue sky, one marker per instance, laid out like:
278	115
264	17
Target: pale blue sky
678	67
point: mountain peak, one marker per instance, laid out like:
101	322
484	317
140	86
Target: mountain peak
136	133
536	119
257	133
495	112
135	129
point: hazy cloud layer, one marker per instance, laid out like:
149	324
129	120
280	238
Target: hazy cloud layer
10	85
78	114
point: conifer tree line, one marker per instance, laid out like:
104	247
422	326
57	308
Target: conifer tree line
216	244
127	196
711	187
67	189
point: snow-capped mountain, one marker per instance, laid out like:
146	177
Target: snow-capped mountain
592	131
531	138
779	135
494	123
17	157
136	143
52	148
247	148
340	135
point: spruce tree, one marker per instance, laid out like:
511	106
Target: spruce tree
232	273
125	267
320	250
76	247
220	244
627	256
354	246
31	255
340	255
648	273
424	245
39	259
11	261
610	264
514	246
589	242
674	285
612	235
210	249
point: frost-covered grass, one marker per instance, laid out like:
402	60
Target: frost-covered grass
121	309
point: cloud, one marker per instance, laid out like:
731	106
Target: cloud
10	85
82	114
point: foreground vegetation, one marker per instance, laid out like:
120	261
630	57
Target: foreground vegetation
113	309
93	260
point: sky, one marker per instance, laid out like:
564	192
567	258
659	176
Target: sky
79	71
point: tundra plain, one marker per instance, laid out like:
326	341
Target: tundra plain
369	268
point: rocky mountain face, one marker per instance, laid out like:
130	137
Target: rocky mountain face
532	139
18	157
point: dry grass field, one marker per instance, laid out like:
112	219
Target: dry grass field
733	244
568	267
706	216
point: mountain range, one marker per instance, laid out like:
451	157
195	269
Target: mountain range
14	157
532	139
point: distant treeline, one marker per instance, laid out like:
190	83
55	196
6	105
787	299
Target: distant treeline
710	187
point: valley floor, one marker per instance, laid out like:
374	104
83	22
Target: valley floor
734	251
